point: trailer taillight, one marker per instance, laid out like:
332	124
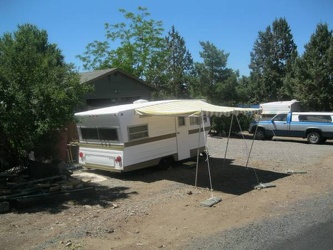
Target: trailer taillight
118	158
81	155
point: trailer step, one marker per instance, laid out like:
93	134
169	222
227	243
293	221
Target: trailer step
189	164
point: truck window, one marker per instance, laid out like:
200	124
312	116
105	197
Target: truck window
138	132
280	118
315	118
108	134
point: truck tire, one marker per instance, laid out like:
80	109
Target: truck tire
314	137
260	135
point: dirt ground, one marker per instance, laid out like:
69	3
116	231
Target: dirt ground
150	209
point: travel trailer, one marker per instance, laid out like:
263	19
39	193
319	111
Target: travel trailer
119	139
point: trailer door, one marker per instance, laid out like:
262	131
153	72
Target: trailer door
183	146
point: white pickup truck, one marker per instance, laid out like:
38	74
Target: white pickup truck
317	127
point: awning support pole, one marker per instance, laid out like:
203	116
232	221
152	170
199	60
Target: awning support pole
229	134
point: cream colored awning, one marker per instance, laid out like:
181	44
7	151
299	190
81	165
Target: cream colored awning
192	108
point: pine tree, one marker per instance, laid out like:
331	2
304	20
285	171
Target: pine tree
273	54
314	71
216	82
176	69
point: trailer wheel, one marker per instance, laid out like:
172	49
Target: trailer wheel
166	162
314	137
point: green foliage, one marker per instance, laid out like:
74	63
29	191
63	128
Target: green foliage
314	71
222	124
139	42
216	82
175	72
38	90
272	57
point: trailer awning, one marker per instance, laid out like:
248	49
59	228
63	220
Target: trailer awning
192	108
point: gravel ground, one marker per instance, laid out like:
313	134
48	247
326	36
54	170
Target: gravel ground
279	232
144	209
275	233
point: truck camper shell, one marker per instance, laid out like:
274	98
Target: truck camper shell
270	109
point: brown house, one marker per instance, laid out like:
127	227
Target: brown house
111	87
114	87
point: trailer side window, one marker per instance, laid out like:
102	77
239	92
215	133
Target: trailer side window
194	120
138	132
108	134
181	121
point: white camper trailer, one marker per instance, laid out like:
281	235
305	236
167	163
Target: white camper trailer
119	139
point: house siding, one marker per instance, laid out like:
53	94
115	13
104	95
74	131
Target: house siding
116	88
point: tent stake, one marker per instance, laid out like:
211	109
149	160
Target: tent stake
296	172
264	185
211	202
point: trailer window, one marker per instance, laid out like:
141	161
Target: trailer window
315	118
108	134
194	120
89	133
138	132
181	121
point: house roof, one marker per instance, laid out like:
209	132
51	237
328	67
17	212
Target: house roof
87	77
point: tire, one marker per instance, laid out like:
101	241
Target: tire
260	135
166	162
314	137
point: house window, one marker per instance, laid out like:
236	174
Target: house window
137	132
181	121
102	134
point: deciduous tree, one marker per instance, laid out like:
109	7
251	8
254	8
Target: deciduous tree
134	46
38	90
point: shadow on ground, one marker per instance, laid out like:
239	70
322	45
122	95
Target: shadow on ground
226	177
94	194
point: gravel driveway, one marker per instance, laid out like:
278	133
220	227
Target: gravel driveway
302	218
150	209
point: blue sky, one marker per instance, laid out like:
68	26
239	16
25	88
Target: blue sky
231	26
